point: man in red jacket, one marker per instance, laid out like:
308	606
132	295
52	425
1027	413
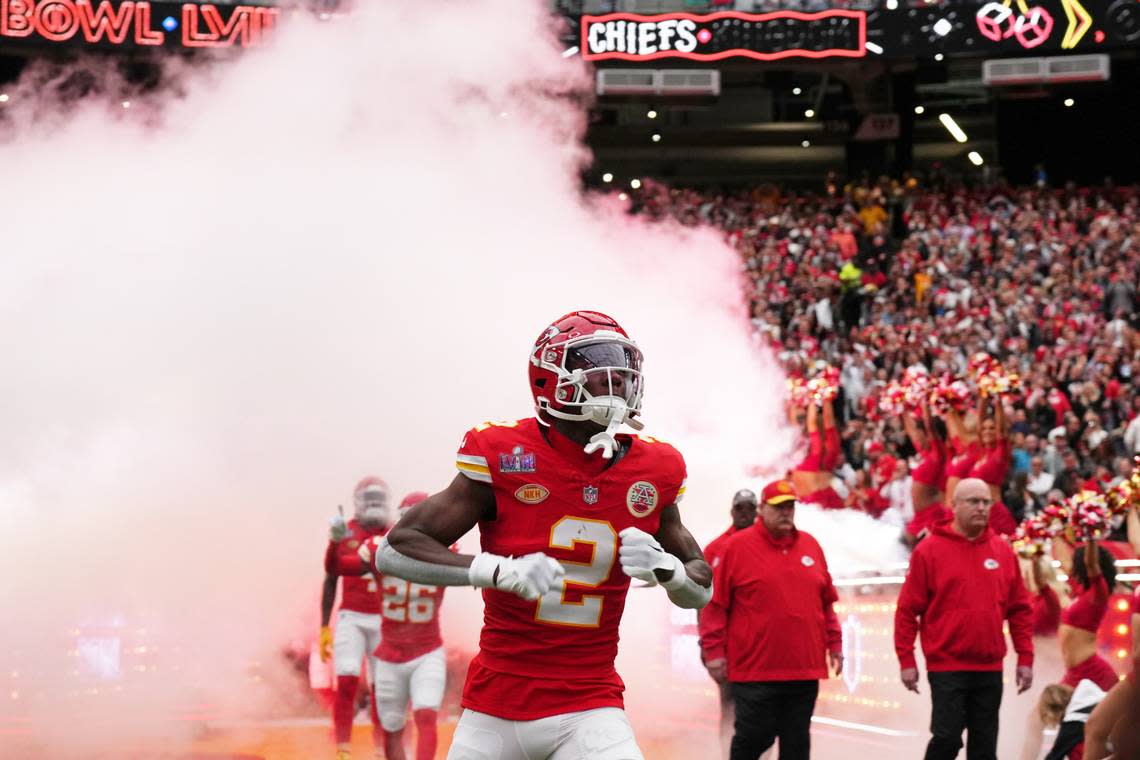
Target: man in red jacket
743	515
963	584
771	629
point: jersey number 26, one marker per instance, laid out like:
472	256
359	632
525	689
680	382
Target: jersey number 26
408	602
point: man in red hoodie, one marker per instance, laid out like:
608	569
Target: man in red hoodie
963	584
770	629
743	515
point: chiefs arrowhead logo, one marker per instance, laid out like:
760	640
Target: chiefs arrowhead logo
641	498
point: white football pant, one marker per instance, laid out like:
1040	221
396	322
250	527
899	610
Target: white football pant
422	680
357	636
600	734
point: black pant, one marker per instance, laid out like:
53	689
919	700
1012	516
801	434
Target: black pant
767	710
967	700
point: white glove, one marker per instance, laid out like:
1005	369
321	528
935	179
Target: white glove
641	554
367	551
529	576
338	528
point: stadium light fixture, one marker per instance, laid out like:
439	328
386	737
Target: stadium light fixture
635	183
796	91
892	5
809	113
876	49
3	97
806	143
1069	102
920	110
607	177
656	137
942	27
938	56
651	114
975	158
952	127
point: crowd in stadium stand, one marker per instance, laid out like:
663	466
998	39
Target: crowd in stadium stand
875	277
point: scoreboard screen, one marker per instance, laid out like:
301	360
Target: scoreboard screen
991	29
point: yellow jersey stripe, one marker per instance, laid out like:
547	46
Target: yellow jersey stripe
481	477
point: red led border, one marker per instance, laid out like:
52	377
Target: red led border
860	16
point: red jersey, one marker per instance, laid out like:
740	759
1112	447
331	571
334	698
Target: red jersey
556	655
409	620
772	615
359	593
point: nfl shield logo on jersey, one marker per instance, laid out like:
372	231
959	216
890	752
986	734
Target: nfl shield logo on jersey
590	495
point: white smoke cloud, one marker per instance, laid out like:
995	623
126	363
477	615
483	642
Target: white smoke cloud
327	258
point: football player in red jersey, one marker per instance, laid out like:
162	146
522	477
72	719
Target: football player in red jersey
560	500
410	665
358	621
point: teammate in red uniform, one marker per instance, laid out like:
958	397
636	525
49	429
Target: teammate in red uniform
410	664
743	512
560	500
358	622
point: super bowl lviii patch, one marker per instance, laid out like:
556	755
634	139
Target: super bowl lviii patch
641	498
519	460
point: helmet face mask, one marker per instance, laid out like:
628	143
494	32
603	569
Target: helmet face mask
370	502
601	378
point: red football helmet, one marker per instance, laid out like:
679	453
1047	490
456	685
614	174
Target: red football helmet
411	500
576	348
370	499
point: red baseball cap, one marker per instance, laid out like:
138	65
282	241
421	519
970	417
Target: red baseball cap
778	492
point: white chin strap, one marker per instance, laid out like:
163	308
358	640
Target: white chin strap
612	412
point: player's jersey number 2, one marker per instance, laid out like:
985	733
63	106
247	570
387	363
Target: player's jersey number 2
407	602
586	611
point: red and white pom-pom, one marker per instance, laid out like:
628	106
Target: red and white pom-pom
916	385
824	386
893	400
797	392
1089	515
819	390
980	364
950	396
943	395
1053	520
